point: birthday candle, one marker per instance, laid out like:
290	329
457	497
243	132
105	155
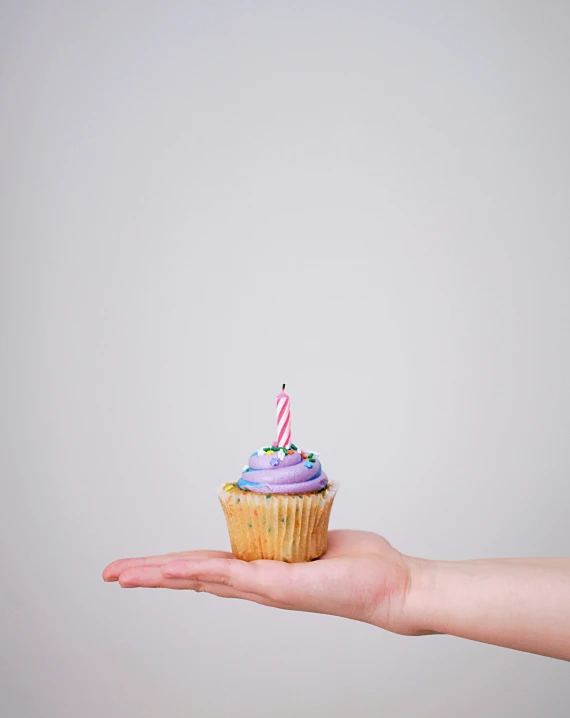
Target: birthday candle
283	419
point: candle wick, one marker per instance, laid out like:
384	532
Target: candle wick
283	389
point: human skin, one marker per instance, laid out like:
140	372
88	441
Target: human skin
516	603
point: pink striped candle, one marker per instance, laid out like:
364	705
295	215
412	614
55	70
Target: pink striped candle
283	419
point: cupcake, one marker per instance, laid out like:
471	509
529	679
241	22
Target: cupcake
279	508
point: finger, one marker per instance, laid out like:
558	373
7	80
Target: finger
113	570
338	538
152	577
218	589
298	586
344	542
268	579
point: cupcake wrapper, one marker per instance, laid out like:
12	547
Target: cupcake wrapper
282	527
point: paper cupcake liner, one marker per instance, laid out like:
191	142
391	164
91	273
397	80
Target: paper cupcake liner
283	527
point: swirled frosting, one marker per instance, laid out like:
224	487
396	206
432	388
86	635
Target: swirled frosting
283	471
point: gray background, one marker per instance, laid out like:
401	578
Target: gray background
199	201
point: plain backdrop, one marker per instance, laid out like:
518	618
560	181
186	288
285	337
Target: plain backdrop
199	201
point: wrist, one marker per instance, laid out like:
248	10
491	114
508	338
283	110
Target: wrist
516	603
421	597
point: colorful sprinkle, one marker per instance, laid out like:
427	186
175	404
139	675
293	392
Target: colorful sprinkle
293	447
270	451
290	451
238	500
308	465
305	456
311	455
229	487
274	462
268	496
250	526
281	454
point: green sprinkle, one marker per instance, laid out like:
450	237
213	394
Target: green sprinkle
245	488
293	542
238	500
322	491
311	456
293	447
268	496
266	448
250	526
299	496
269	530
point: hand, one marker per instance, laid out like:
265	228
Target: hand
516	603
360	576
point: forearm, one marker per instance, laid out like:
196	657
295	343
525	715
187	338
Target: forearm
516	603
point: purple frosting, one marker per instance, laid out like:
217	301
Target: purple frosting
291	475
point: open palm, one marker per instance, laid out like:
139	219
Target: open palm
360	576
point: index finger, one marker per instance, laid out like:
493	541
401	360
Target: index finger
270	579
114	569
